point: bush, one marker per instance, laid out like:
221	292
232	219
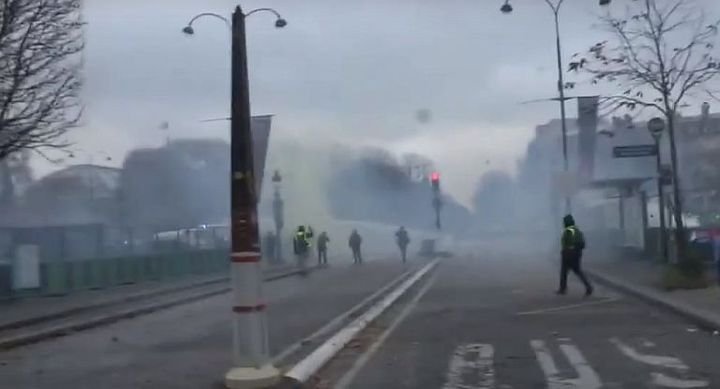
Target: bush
684	276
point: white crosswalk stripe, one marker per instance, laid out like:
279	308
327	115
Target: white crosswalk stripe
586	376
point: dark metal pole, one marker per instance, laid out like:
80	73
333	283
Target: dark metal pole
680	238
437	204
661	205
561	90
278	206
251	351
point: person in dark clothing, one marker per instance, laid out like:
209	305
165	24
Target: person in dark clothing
403	240
322	242
355	242
573	244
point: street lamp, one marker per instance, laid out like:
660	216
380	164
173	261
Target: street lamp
555	6
656	126
253	368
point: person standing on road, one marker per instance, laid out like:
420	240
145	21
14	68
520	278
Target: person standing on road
403	239
301	246
355	242
322	242
573	244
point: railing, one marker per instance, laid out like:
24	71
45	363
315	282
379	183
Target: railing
63	277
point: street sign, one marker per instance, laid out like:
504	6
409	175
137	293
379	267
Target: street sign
656	126
634	151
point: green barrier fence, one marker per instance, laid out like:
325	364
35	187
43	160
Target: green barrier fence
56	279
60	277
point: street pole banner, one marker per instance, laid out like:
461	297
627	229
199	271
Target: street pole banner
587	129
260	130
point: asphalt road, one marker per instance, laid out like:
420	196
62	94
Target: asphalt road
492	320
188	346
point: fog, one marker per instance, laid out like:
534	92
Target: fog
345	82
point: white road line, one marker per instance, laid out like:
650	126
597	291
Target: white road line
586	376
336	322
567	307
350	375
471	358
547	364
661	379
305	369
653	360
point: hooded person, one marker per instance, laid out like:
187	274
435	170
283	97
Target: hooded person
355	242
572	245
402	239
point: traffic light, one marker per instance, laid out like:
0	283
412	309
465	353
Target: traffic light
435	180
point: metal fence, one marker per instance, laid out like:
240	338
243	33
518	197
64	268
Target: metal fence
62	277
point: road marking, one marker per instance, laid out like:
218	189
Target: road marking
662	361
567	307
661	379
338	321
350	375
653	360
471	358
586	376
647	343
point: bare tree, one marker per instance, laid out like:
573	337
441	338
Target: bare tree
40	57
660	55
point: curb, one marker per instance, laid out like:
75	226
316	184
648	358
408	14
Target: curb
306	368
62	330
700	317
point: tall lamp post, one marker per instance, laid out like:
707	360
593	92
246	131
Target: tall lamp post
555	6
278	214
253	368
656	126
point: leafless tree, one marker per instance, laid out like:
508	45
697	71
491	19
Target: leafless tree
661	53
40	57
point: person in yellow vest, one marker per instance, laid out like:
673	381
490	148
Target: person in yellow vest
573	244
301	246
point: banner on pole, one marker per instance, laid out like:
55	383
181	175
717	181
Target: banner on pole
587	129
260	131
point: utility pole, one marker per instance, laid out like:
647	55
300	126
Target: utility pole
437	201
253	368
656	126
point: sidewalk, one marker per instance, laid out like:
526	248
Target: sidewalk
641	278
31	310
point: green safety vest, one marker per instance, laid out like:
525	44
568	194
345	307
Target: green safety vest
576	239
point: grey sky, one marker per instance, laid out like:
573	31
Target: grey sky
351	71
